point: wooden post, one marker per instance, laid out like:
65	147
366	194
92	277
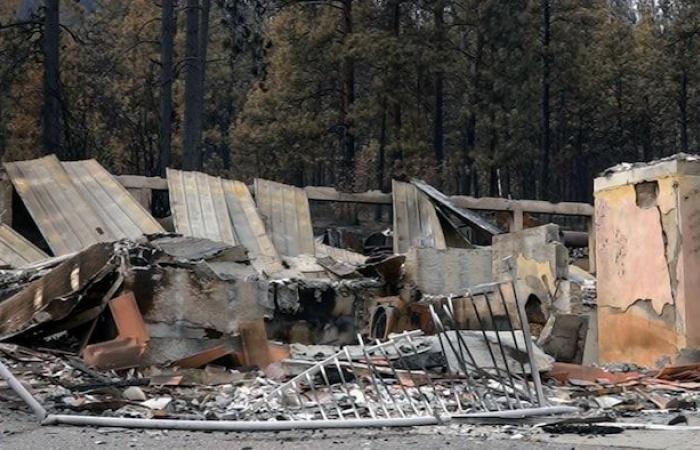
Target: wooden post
517	223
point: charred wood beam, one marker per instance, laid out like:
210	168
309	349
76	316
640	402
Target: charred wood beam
330	194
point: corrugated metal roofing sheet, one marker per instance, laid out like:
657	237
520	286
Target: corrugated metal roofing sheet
199	207
416	223
77	204
115	206
287	216
15	250
220	210
64	217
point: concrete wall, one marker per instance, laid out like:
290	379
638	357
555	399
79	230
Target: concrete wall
648	238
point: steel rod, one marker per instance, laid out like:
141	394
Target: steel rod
229	425
515	339
22	392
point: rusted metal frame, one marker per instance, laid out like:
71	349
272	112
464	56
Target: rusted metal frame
344	387
500	346
426	401
515	340
330	389
299	397
373	381
430	379
359	383
471	381
465	365
534	371
488	347
396	376
374	375
334	359
516	391
497	378
315	396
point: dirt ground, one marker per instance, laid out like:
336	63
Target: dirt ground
18	430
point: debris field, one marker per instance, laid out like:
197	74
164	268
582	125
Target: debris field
245	308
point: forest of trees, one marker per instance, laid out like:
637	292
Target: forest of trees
512	98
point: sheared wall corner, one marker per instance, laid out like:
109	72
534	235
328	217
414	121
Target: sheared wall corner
647	225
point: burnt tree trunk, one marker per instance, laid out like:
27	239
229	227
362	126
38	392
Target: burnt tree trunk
167	75
397	153
203	46
192	126
475	100
438	121
348	96
51	109
545	100
683	106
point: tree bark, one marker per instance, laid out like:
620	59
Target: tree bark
203	46
683	106
167	75
348	95
438	121
397	153
192	127
51	110
545	100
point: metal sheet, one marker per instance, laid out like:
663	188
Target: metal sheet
416	223
53	296
198	206
65	219
220	210
340	254
286	212
15	250
116	208
449	271
249	226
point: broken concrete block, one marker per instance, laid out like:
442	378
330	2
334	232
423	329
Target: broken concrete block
647	218
134	393
538	257
564	337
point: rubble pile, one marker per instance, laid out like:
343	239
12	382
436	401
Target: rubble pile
238	316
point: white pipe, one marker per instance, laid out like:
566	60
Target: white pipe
519	413
230	425
19	389
649	426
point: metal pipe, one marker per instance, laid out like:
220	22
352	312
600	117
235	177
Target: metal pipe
518	413
230	425
23	393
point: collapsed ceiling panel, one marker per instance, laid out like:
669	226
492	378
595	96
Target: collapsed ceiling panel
114	205
416	223
15	250
65	219
286	212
